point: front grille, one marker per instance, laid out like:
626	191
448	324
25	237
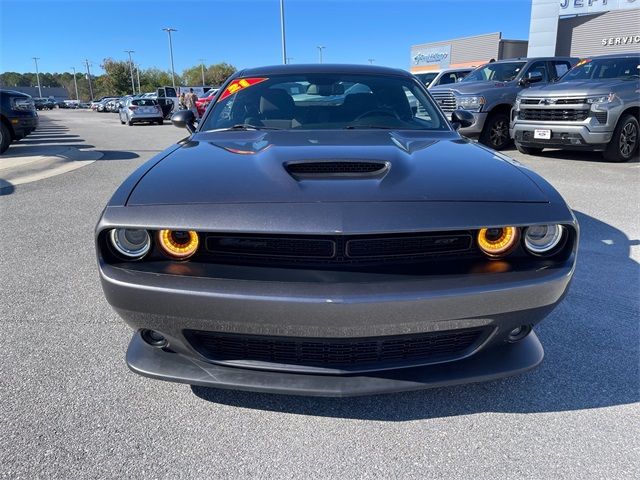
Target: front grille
313	169
553	101
446	100
333	251
336	353
553	114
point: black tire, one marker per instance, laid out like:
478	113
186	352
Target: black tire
130	123
160	122
624	143
529	150
5	138
495	133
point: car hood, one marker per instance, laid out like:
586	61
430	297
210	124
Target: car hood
473	88
249	167
576	88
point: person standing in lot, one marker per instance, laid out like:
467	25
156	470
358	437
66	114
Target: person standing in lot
190	102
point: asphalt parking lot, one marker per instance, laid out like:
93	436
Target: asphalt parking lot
70	408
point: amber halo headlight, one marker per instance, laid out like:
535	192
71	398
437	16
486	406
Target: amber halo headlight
178	244
131	243
542	239
497	242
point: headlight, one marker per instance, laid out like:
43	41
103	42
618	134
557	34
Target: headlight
21	104
516	106
473	103
129	242
604	100
542	239
178	244
497	242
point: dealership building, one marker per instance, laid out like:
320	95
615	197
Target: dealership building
577	28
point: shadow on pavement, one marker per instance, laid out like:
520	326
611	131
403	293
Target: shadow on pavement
579	156
117	155
591	353
6	188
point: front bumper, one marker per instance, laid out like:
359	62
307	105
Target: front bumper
23	125
171	304
491	364
476	129
562	135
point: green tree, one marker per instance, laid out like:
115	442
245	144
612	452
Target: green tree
117	77
214	75
152	78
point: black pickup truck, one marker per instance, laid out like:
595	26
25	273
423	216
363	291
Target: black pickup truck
18	117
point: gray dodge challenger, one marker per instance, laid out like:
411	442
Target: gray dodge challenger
324	230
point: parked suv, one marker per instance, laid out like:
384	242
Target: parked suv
490	91
443	77
595	106
18	117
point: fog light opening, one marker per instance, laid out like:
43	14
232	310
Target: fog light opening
519	333
153	338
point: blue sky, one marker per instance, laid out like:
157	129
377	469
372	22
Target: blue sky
242	32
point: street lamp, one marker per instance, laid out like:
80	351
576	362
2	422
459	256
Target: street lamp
138	75
75	82
289	59
201	60
371	60
284	43
133	85
86	61
173	71
320	48
35	59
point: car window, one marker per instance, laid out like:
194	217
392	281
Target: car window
327	101
539	67
144	102
427	78
448	78
170	92
605	68
499	72
560	68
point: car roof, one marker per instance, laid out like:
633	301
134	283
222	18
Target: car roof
14	92
530	59
316	68
617	55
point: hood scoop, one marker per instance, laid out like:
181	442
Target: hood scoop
336	169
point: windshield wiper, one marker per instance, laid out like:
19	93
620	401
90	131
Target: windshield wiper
248	126
384	127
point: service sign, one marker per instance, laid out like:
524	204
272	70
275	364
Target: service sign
431	56
576	7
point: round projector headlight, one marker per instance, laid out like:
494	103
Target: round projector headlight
497	242
130	242
541	239
179	244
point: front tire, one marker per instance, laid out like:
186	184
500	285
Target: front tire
160	122
5	138
495	133
624	143
130	123
529	150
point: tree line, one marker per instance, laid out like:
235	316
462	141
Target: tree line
116	80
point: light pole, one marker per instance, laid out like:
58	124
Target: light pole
284	43
35	59
138	75
173	72
86	61
133	85
371	60
289	59
320	48
201	60
75	82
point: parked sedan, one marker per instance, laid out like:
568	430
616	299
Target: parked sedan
203	103
138	110
18	117
339	248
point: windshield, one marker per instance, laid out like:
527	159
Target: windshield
427	78
324	101
603	68
498	72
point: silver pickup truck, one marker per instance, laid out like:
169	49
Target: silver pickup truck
490	91
595	106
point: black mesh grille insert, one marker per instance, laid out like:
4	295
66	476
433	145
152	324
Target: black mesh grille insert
569	115
348	353
601	117
315	169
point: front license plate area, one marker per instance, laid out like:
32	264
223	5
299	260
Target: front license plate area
543	134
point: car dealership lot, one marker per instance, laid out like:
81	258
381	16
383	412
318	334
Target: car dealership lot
70	407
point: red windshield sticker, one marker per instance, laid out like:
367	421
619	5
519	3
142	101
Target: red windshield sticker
583	61
240	84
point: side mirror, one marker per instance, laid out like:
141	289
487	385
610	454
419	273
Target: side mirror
184	119
462	119
532	77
